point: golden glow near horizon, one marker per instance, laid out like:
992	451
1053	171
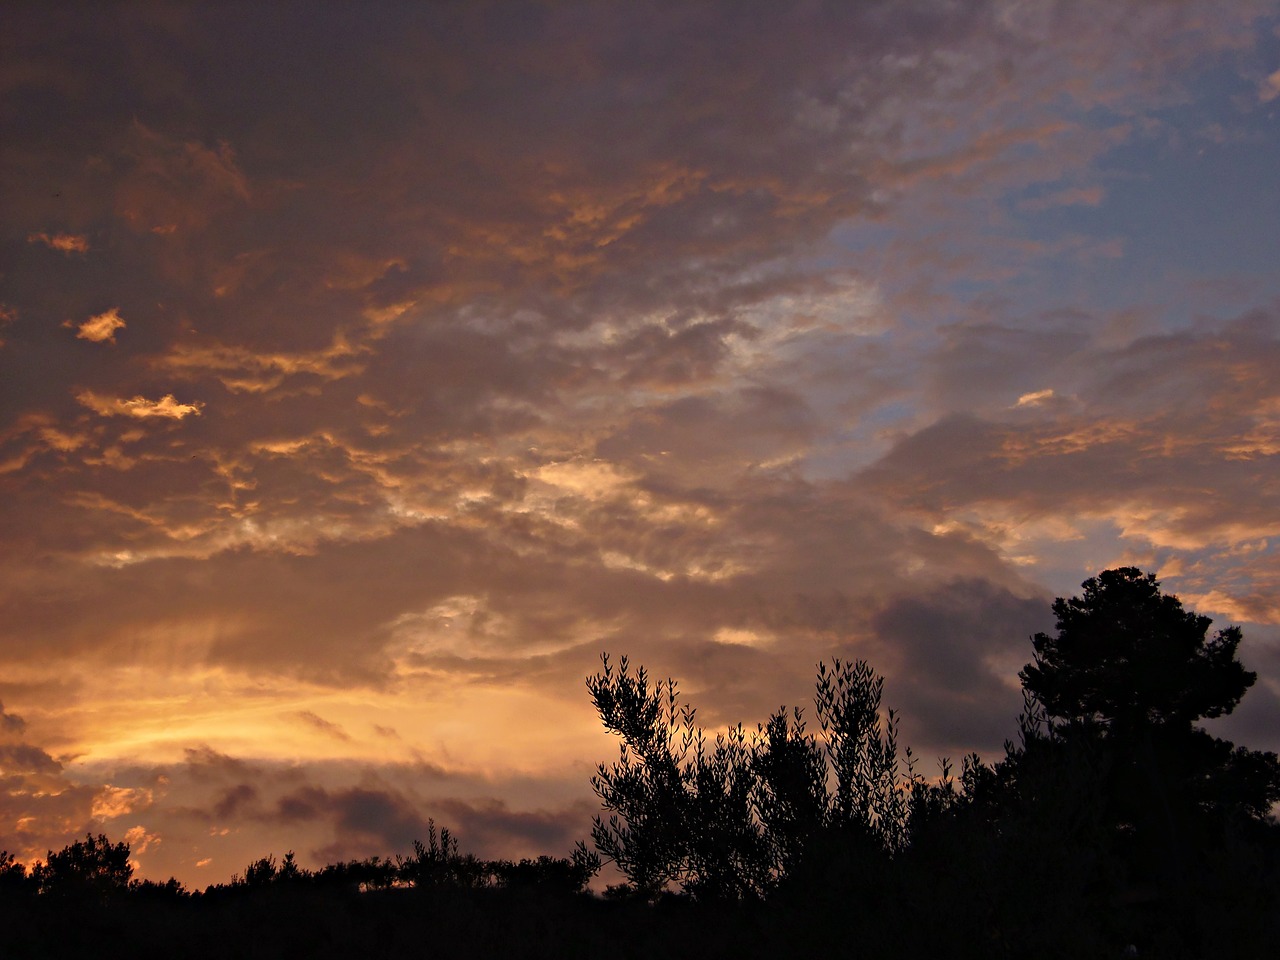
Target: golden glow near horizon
349	414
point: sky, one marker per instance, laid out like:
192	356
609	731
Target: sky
366	370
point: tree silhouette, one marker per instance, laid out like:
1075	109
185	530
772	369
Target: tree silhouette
1133	669
93	867
1115	697
13	875
1127	656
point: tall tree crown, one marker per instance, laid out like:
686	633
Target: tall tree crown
1126	655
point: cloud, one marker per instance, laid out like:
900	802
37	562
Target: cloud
326	726
139	841
40	805
115	802
234	802
1165	440
226	811
101	327
140	407
64	242
167	185
1035	398
1075	196
28	759
1269	89
242	370
11	725
493	825
953	652
708	439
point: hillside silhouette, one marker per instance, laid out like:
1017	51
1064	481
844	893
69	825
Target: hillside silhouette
1114	825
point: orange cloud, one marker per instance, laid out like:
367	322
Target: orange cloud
139	840
1270	88
65	242
140	407
241	370
102	327
114	801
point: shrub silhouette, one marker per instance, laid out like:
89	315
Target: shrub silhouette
733	817
437	863
545	873
267	872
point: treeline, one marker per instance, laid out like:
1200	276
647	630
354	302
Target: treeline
95	869
1114	825
439	902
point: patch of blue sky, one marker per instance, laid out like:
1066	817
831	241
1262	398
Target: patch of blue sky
1193	197
844	452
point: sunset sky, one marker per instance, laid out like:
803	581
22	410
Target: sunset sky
367	369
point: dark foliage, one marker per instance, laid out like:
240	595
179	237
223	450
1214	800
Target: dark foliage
1124	682
92	868
1127	657
13	876
1132	670
1111	820
736	816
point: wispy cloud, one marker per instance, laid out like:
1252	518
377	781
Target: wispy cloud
62	242
1075	196
140	407
327	727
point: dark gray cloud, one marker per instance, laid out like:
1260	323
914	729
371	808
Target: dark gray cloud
950	652
225	811
11	724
